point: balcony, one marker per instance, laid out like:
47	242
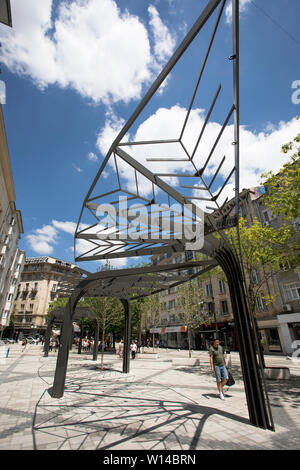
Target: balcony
25	293
33	292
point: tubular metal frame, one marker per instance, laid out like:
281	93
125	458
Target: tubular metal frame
128	284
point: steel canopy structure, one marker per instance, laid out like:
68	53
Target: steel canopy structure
203	172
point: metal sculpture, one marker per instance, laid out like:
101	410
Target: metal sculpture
115	241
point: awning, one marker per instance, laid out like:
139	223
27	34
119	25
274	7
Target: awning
169	329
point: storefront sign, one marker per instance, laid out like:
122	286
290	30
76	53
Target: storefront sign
169	329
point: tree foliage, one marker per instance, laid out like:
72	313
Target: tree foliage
262	251
283	198
151	310
283	188
190	302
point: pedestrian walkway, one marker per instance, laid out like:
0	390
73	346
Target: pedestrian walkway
156	406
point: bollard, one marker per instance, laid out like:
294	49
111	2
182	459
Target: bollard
7	352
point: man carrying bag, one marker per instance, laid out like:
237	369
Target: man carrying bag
218	366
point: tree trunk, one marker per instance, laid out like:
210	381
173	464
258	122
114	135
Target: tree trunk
189	342
102	346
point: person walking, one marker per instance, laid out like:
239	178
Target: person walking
24	344
218	365
133	348
121	347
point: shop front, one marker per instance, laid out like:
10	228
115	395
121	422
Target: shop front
171	336
289	332
207	332
269	335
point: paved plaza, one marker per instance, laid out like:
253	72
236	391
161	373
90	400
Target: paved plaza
157	406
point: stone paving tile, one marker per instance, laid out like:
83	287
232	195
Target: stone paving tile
156	406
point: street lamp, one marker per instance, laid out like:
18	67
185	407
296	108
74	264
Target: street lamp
5	12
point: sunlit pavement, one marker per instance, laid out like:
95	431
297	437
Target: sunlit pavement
156	406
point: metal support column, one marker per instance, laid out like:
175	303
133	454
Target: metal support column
126	352
258	406
47	337
57	390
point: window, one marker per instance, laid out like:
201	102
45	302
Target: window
31	307
22	306
171	304
255	276
54	287
211	308
189	255
208	290
221	286
292	291
260	303
266	217
224	307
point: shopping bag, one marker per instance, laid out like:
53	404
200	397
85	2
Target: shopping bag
230	380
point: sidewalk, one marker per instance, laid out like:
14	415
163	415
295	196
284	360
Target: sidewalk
156	406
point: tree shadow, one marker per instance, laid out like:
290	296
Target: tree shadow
111	416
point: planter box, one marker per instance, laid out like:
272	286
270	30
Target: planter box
277	373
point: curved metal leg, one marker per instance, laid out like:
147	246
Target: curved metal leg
57	390
259	413
47	336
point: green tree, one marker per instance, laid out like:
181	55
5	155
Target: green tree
283	198
151	309
283	188
190	302
107	311
262	251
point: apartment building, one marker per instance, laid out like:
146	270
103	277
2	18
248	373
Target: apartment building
283	329
278	321
216	307
11	228
40	282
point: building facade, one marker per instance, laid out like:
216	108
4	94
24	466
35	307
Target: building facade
11	228
283	330
278	320
39	286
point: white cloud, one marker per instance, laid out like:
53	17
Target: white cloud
41	240
68	227
91	46
77	168
164	43
92	157
228	11
259	152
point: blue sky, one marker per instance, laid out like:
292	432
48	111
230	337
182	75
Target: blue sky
74	72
